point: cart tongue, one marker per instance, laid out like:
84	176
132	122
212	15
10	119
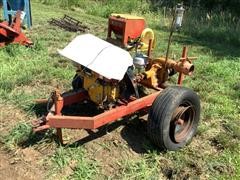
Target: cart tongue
98	55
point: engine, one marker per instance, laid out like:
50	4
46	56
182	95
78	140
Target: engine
101	90
111	76
145	73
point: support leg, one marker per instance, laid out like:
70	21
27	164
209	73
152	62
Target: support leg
59	135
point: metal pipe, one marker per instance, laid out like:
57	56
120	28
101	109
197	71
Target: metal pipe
170	40
186	67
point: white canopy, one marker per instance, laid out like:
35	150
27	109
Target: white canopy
98	55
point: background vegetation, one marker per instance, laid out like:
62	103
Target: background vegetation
125	152
209	5
213	19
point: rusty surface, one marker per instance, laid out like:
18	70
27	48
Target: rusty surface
57	120
122	111
158	71
60	100
69	23
11	33
41	101
184	65
124	29
72	122
182	123
184	59
58	103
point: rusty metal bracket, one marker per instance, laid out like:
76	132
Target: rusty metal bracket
69	23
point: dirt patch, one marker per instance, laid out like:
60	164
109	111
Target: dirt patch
30	155
9	117
21	165
112	145
24	163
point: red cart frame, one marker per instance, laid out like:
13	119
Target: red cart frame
55	119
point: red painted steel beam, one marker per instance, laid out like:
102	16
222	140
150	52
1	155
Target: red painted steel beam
78	122
71	122
74	97
122	111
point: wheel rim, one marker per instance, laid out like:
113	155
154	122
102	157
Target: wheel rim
182	123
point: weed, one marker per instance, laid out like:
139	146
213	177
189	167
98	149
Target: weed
218	167
81	168
233	128
85	169
146	168
61	158
17	135
220	27
226	141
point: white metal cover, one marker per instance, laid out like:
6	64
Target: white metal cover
98	55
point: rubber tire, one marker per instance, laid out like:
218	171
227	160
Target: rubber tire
161	113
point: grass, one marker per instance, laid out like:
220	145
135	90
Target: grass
146	168
30	73
17	135
107	6
218	27
80	166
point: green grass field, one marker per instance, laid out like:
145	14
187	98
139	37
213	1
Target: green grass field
123	151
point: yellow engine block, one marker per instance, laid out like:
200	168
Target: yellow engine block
99	89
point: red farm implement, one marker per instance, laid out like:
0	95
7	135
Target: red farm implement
121	85
12	33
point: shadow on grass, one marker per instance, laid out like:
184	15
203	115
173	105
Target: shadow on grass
218	46
100	133
46	136
37	138
39	109
133	132
219	50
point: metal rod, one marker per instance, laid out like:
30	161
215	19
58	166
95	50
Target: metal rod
184	58
170	39
58	100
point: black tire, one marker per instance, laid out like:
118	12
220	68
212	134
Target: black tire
77	82
173	118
